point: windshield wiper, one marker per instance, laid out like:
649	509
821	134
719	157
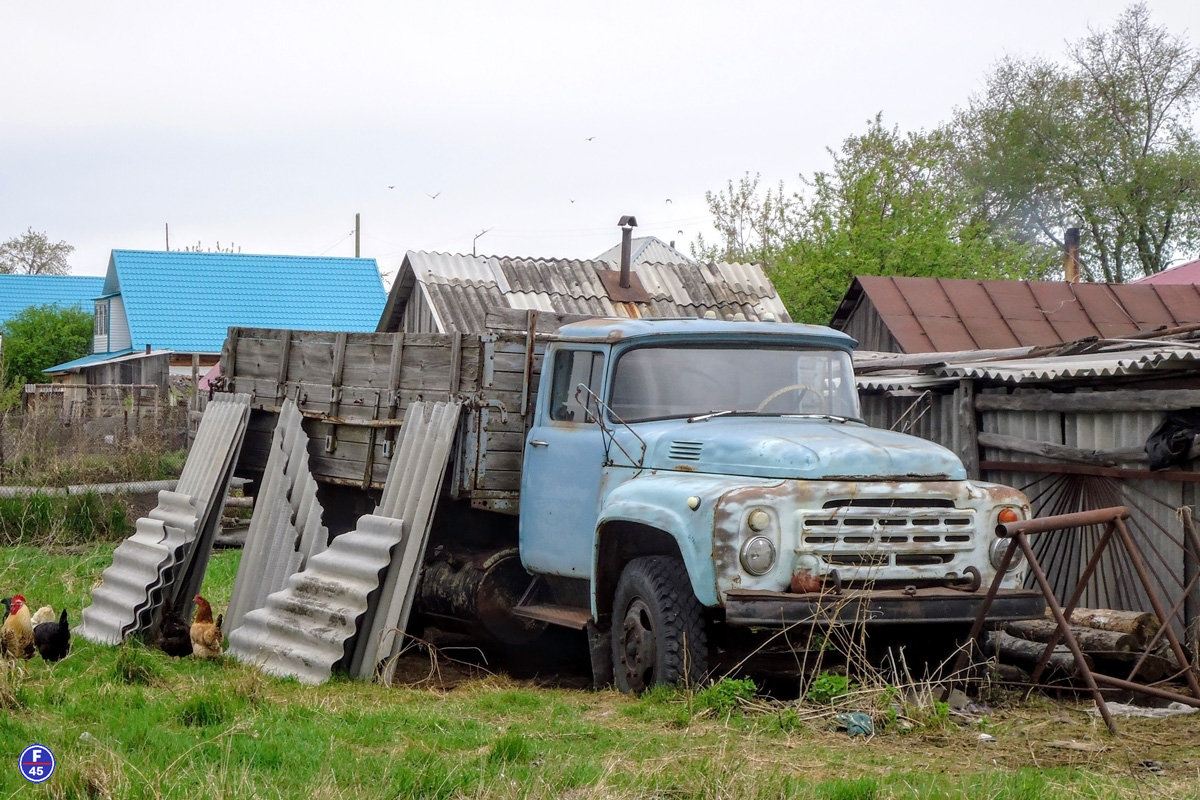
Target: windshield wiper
833	417
711	414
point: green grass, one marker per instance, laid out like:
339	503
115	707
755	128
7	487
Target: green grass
130	722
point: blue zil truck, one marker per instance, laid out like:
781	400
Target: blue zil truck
670	486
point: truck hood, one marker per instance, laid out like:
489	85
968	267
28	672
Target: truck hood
795	447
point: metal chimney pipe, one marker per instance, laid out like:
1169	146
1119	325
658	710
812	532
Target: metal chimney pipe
1071	256
627	224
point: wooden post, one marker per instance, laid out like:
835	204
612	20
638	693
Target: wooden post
968	428
285	353
335	388
389	437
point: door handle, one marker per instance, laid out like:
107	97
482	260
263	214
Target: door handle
538	443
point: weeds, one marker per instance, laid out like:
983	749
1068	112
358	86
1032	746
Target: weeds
135	665
63	519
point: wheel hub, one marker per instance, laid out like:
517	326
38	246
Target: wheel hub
638	645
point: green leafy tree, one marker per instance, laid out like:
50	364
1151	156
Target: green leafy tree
40	337
1103	142
891	204
32	253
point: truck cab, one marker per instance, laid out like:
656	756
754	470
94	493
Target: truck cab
690	473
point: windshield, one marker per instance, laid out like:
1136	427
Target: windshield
679	381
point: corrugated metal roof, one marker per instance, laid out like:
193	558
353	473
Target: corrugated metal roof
1182	273
97	358
303	630
19	292
285	529
938	314
460	289
186	301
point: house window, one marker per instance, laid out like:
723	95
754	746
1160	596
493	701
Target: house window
101	319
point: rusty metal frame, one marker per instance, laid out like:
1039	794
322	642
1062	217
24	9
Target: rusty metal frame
1018	534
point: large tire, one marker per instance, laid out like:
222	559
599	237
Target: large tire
657	626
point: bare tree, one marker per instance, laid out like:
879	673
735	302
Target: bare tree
32	253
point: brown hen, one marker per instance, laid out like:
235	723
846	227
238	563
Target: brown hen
206	634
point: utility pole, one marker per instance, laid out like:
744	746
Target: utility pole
357	231
167	228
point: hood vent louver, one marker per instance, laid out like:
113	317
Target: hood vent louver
685	451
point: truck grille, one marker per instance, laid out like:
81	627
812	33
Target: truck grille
888	532
681	450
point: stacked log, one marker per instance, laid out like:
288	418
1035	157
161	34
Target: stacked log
1112	642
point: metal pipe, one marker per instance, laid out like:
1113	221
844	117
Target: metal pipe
627	224
133	487
1176	647
1080	663
1071	256
1073	601
1061	522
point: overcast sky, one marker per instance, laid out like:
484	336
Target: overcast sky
270	124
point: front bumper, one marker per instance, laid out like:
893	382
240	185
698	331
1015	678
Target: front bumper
763	609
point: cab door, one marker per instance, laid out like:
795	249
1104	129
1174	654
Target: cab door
564	456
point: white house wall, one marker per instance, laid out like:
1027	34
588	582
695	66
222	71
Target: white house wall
118	326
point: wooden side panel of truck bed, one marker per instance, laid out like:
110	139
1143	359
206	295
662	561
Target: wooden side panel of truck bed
353	389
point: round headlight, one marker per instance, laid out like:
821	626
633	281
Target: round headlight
758	520
996	554
758	555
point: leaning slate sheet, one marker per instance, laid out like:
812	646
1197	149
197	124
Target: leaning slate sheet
303	629
413	484
286	528
147	567
116	602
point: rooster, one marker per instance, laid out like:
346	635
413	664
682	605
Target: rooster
205	634
52	639
16	635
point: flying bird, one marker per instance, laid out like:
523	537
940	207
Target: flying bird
391	187
432	196
588	139
668	200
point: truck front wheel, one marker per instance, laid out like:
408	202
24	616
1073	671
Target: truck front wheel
658	626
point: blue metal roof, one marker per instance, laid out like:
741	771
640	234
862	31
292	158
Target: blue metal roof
186	301
623	330
19	292
94	358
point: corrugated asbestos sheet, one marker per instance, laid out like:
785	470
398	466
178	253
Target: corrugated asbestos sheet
923	315
357	584
286	528
303	630
1096	365
454	292
411	492
163	562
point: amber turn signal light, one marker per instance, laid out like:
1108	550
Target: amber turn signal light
1007	515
